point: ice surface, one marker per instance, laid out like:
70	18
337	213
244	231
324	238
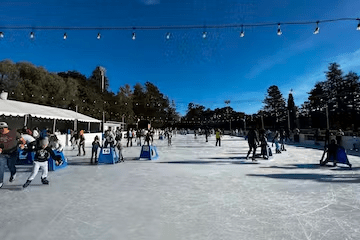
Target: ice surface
194	191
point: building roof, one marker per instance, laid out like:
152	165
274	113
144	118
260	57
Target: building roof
17	108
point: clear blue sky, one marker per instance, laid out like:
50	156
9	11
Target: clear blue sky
188	68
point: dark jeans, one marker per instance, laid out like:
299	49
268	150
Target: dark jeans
10	160
83	148
218	140
94	153
129	140
252	146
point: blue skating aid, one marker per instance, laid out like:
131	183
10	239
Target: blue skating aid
341	156
25	157
149	153
52	163
108	156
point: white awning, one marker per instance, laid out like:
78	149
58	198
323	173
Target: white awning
16	108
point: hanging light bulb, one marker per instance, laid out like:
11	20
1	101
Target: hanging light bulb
65	36
168	35
98	36
317	29
279	30
358	27
242	33
1	35
204	35
133	36
32	35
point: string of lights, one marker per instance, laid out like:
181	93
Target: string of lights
179	27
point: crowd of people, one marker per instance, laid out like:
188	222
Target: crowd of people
44	144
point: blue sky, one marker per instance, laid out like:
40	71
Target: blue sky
188	68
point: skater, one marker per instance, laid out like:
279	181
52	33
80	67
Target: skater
74	139
30	141
263	144
81	142
94	149
129	138
119	147
218	137
282	140
147	138
42	155
332	154
9	140
206	134
355	143
276	141
253	141
109	139
339	135
55	144
169	138
138	137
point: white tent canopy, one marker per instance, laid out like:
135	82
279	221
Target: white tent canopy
16	108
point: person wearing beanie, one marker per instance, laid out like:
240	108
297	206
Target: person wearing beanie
42	155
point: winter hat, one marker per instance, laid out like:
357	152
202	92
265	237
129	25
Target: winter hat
3	125
44	141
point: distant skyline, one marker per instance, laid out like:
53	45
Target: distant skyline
186	67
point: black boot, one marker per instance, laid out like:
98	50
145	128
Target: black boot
27	183
44	181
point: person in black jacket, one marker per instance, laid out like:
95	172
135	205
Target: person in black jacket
253	141
42	155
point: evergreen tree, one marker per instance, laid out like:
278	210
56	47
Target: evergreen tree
275	106
292	109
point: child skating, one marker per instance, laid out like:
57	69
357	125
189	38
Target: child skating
42	155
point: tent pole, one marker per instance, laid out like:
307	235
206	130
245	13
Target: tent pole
26	118
54	126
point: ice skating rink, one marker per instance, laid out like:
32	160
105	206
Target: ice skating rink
194	191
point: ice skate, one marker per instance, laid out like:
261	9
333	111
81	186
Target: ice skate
44	181
27	183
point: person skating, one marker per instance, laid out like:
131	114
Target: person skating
263	144
218	137
42	155
206	134
332	150
253	141
81	142
276	141
9	140
94	149
129	138
282	140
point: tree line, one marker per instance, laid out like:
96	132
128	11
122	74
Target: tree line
73	90
333	103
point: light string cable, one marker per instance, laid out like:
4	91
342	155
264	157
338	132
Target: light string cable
179	27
